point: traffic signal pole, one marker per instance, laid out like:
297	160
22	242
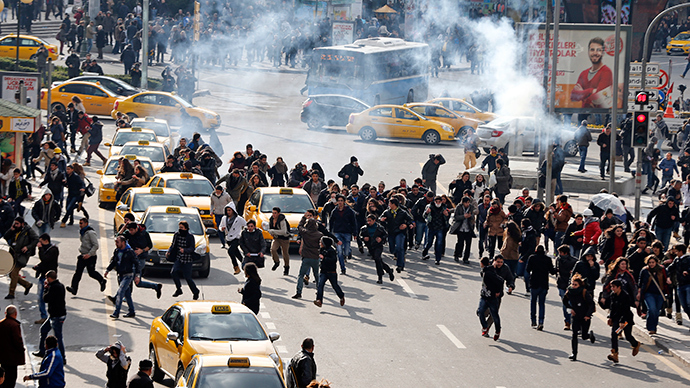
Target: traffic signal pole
645	51
614	106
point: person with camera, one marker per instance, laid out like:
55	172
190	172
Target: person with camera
118	362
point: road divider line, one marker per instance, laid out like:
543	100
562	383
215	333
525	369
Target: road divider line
451	337
270	325
265	315
407	288
105	260
281	349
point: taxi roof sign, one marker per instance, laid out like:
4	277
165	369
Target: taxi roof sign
130	157
172	209
143	142
221	309
187	175
156	190
285	191
149	118
238	362
136	129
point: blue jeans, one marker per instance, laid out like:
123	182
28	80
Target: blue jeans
343	249
537	295
54	323
664	235
647	170
654	304
186	269
221	234
566	315
574	252
45	228
89	44
69	210
143	283
396	245
687	67
492	305
421	231
665	179
583	157
438	246
307	264
41	303
332	277
558	240
124	291
684	296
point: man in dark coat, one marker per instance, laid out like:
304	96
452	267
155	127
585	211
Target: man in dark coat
143	377
430	170
22	240
12	345
302	368
101	41
350	172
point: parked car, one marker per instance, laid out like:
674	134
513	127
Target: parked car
117	86
510	131
329	110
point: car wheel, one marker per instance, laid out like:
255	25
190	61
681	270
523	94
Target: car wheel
463	132
571	148
675	143
487	150
179	373
314	122
132	115
410	96
33	57
431	137
367	134
53	105
206	268
156	372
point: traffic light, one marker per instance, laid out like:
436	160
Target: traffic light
640	129
642	98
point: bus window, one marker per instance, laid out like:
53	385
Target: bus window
382	112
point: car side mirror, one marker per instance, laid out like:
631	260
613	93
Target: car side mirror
107	144
252	208
123	208
173	336
99	172
211	230
273	336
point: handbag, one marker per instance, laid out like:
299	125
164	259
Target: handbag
492	179
90	189
477	153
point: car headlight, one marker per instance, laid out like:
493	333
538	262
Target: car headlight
209	116
200	249
109	185
275	359
447	128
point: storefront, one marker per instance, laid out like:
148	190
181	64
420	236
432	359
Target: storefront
333	9
16	121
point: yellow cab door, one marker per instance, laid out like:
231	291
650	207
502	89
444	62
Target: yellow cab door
144	105
169	108
8	47
465	110
122	208
99	102
166	349
253	201
63	94
27	48
381	120
407	124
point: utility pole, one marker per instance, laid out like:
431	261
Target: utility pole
545	83
145	46
614	106
552	102
19	23
50	81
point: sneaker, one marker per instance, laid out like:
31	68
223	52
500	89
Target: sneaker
534	325
40	321
457	259
130	315
103	283
361	250
177	293
343	272
342	301
540	327
114	316
318	303
159	290
195	296
496	336
397	269
416	247
306	280
485	333
437	262
572	357
111	299
275	266
391	276
297	296
38	354
286	271
592	339
73	291
567	326
28	289
380	281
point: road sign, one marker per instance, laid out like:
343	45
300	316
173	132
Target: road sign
636	68
652	106
653	94
634	82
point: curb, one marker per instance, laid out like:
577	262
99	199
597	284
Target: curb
663	345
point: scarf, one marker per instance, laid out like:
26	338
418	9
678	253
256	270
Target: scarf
494	210
18	185
281	167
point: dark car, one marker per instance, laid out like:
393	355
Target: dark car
330	110
119	87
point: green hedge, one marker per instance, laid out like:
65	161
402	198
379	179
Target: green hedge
60	72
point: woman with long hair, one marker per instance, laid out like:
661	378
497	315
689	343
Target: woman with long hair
512	235
478	187
251	291
124	180
581	304
652	290
495	220
614	245
78	104
79	170
278	173
619	269
142	177
254	183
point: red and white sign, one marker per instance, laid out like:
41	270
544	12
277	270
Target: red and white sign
10	85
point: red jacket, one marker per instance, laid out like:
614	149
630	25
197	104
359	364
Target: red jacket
84	124
590	233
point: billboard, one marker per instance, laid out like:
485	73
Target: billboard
584	79
343	33
10	85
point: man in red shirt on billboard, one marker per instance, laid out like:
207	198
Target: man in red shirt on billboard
593	86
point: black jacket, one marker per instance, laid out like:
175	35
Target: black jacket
458	187
661	215
492	283
418	209
55	185
126	264
380	231
620	309
572	240
48	255
678	267
252	242
539	266
536	217
46	212
580	300
564	268
528	244
430	169
589	273
393	223
329	263
343	222
6	216
507	274
302	370
54	296
74	184
353	172
141	380
141	239
24	186
251	294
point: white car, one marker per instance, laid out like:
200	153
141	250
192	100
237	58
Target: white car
519	133
160	126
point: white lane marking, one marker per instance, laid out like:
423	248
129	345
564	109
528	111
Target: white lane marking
112	281
270	325
451	337
281	349
407	288
265	315
262	305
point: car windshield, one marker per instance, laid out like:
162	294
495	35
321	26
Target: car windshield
182	101
123	137
225	327
161	129
224	377
156	154
111	169
683	36
168	223
191	187
288	203
142	201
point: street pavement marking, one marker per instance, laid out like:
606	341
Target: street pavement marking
405	287
265	315
112	330
451	337
281	349
270	325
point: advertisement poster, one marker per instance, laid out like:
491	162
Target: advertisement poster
608	11
343	33
7	143
584	82
341	12
10	85
23	124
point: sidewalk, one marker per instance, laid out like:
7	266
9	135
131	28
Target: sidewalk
670	338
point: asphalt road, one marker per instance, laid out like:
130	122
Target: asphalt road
420	330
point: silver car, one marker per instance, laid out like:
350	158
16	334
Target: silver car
518	134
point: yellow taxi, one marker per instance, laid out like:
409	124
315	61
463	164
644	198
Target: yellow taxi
106	186
125	135
230	370
168	105
159	126
157	152
680	44
460	123
97	99
28	45
291	201
137	199
395	121
207	328
162	222
464	108
195	189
